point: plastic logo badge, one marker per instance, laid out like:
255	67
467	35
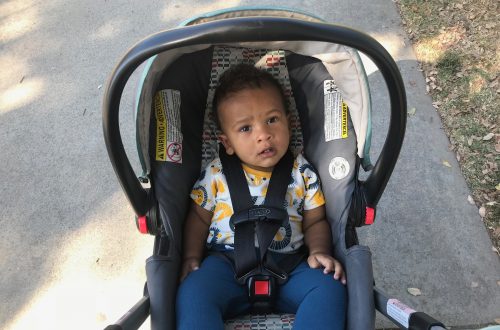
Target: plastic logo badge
339	168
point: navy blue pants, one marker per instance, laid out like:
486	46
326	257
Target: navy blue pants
211	294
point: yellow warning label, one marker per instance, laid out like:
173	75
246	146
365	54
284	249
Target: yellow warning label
344	120
161	128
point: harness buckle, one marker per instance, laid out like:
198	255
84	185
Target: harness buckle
261	293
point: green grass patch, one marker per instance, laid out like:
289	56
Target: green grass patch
449	64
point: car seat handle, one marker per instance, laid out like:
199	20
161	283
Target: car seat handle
248	29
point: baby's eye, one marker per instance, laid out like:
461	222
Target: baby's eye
245	128
272	120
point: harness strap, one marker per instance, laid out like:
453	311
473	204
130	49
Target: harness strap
241	200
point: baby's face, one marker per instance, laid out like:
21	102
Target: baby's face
255	126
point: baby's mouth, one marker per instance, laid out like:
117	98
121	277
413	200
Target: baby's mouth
267	152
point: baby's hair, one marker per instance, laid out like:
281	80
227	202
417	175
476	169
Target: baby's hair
240	77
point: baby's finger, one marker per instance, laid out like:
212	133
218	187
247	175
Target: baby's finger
339	272
194	265
343	279
313	262
327	262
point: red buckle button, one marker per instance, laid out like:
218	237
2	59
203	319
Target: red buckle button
370	215
261	288
142	224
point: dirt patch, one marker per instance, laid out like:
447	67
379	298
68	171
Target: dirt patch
457	44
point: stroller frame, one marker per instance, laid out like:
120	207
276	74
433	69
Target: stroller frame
249	29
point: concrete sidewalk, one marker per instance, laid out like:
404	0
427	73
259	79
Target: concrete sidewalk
69	251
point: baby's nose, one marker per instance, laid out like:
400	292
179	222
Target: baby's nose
263	134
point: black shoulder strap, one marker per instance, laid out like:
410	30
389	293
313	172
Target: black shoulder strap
236	181
275	197
246	259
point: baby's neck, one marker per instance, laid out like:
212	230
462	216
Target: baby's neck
258	168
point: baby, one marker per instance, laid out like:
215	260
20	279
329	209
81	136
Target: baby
251	112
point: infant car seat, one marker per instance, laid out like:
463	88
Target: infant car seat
327	90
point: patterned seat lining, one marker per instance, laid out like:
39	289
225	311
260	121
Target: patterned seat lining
274	62
261	322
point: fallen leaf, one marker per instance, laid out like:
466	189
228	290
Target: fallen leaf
470	200
414	291
482	211
469	141
101	317
445	163
497	147
411	112
497	187
474	284
488	137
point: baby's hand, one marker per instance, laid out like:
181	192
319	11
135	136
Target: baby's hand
316	260
189	265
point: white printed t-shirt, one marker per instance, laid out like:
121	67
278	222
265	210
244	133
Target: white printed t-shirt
304	193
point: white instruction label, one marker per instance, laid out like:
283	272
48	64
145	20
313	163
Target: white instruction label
335	112
168	126
399	312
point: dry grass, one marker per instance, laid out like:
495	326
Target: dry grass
457	44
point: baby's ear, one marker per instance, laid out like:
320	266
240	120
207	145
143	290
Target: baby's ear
226	143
